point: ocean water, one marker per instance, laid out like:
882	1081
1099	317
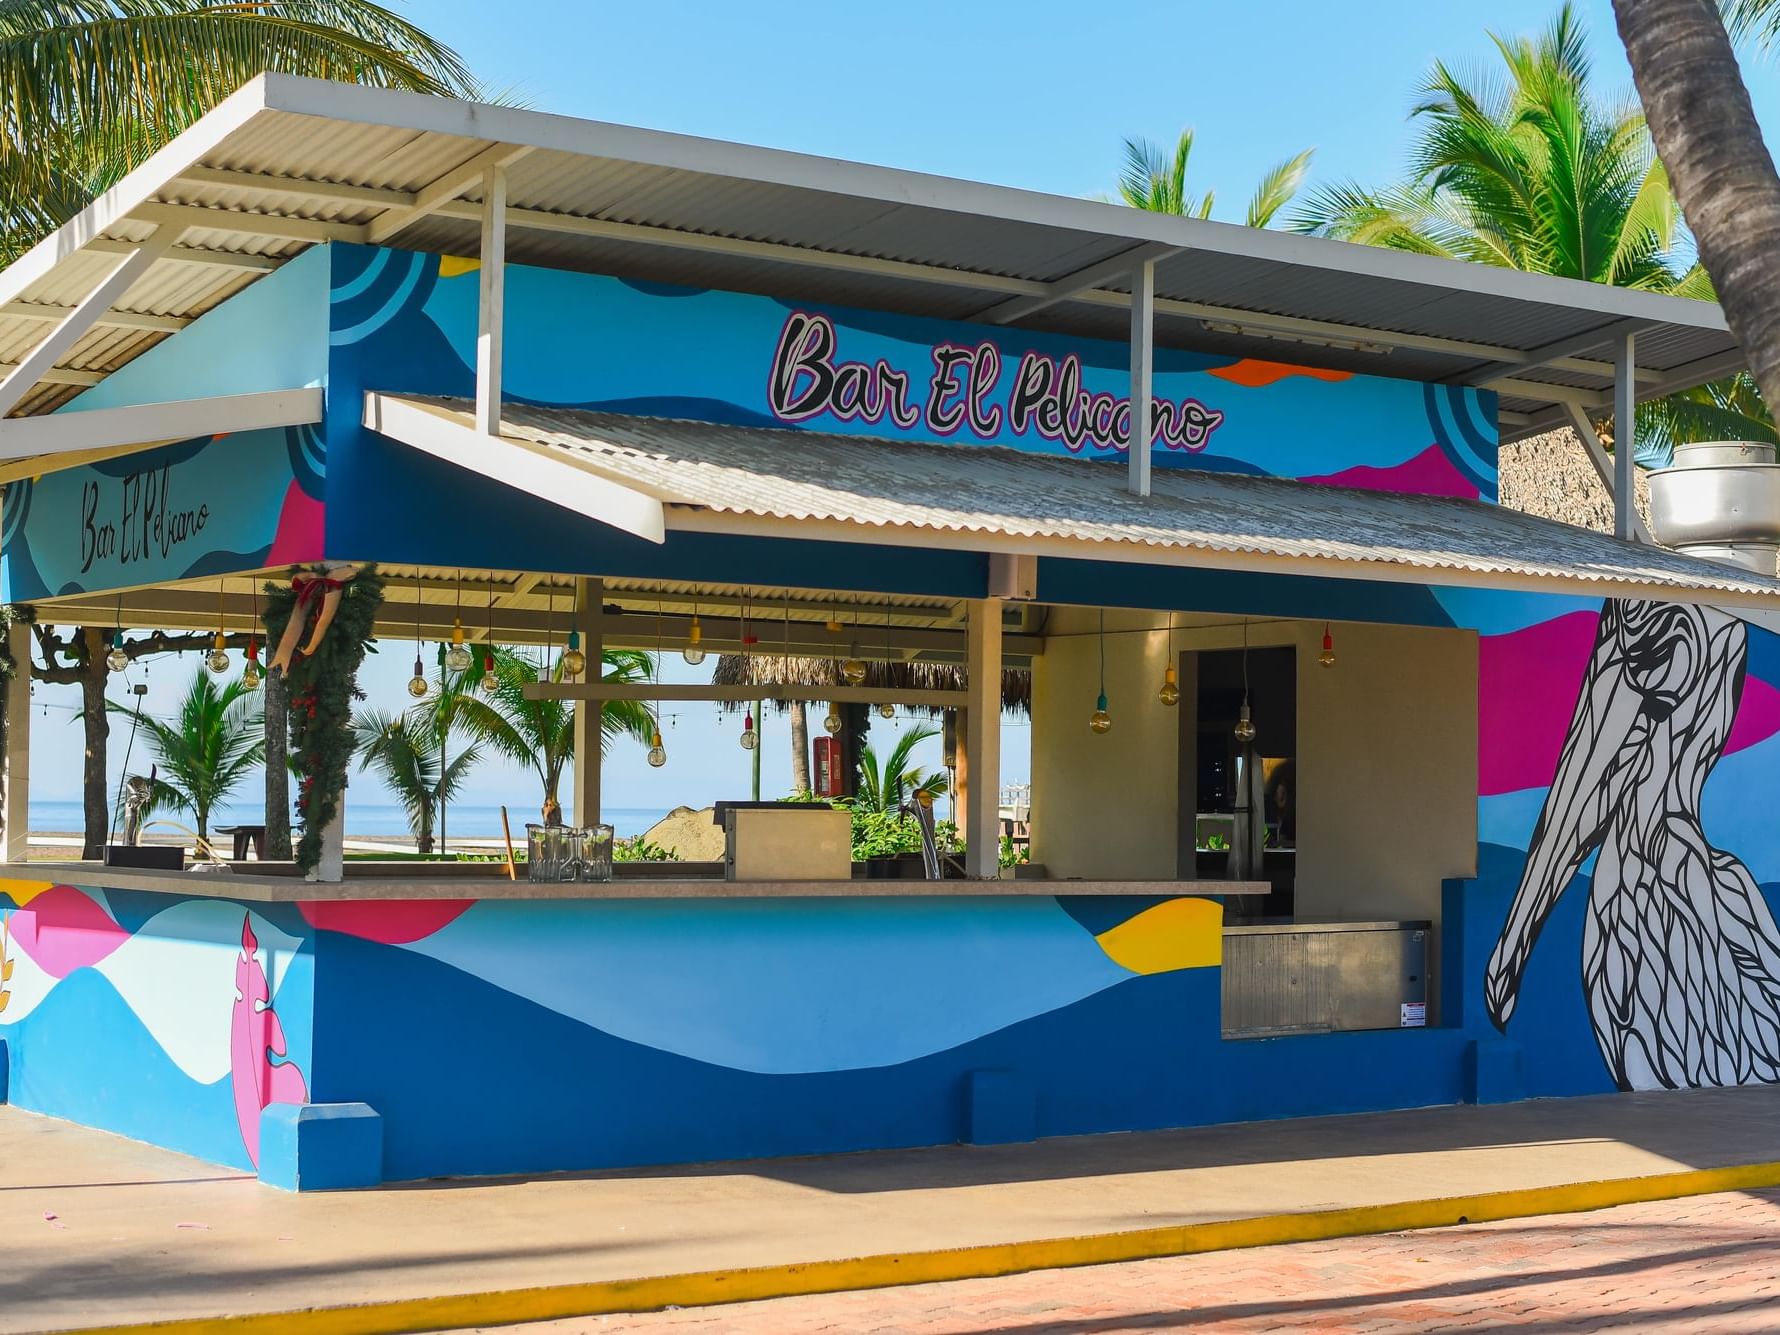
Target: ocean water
465	821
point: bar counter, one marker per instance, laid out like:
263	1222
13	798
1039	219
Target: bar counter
476	881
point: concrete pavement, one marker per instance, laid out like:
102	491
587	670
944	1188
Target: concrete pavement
101	1232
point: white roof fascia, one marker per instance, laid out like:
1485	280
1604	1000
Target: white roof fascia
549	477
156	423
136	189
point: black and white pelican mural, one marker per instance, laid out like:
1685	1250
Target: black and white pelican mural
1680	952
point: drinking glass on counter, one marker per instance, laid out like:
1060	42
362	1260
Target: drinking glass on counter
564	853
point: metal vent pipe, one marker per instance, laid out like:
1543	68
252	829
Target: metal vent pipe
1720	500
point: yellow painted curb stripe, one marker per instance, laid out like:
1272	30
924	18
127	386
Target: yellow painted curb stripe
703	1288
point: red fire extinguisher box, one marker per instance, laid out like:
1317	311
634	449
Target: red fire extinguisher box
827	776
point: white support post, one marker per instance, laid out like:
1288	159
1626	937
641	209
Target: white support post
1143	347
1625	416
492	308
982	740
589	714
17	776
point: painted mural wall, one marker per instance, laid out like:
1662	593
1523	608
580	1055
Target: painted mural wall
169	1020
1623	930
198	507
405	321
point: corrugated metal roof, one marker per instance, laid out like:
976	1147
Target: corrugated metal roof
286	162
995	493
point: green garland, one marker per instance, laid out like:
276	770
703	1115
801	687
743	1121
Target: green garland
322	689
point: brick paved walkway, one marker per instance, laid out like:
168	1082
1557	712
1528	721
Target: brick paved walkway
1708	1263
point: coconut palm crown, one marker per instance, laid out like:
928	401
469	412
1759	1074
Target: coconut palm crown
541	733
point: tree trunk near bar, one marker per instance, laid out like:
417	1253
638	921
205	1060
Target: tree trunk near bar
1706	134
800	748
277	767
855	724
95	803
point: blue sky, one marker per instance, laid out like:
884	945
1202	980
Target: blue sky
1037	94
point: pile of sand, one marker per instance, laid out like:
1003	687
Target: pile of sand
689	835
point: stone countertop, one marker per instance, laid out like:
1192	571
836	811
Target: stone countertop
275	889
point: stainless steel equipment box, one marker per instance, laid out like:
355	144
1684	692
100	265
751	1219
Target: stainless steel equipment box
793	842
1310	978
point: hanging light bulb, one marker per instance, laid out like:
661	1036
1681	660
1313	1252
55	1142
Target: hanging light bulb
219	654
574	662
1100	720
853	670
457	657
1245	726
832	724
750	738
490	682
1327	657
1169	695
886	710
658	755
417	686
251	674
117	660
694	652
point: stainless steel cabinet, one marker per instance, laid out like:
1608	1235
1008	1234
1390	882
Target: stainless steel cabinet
1305	978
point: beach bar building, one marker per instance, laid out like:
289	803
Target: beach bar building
1351	788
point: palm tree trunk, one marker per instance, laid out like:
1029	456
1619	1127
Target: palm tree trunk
95	806
277	767
1705	132
800	748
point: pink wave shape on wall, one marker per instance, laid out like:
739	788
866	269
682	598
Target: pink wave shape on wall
299	536
1758	715
64	929
389	922
1527	685
1527	682
1430	473
255	1037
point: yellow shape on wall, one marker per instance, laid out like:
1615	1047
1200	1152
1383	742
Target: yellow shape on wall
23	892
1176	934
450	266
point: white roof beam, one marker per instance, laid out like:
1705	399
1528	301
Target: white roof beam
69	330
1556	351
1062	289
222	259
113	319
152	423
331	192
60	375
443	191
515	464
254	224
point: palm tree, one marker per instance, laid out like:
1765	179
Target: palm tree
1539	173
1156	180
406	752
92	87
1705	128
203	754
1534	173
541	733
886	786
